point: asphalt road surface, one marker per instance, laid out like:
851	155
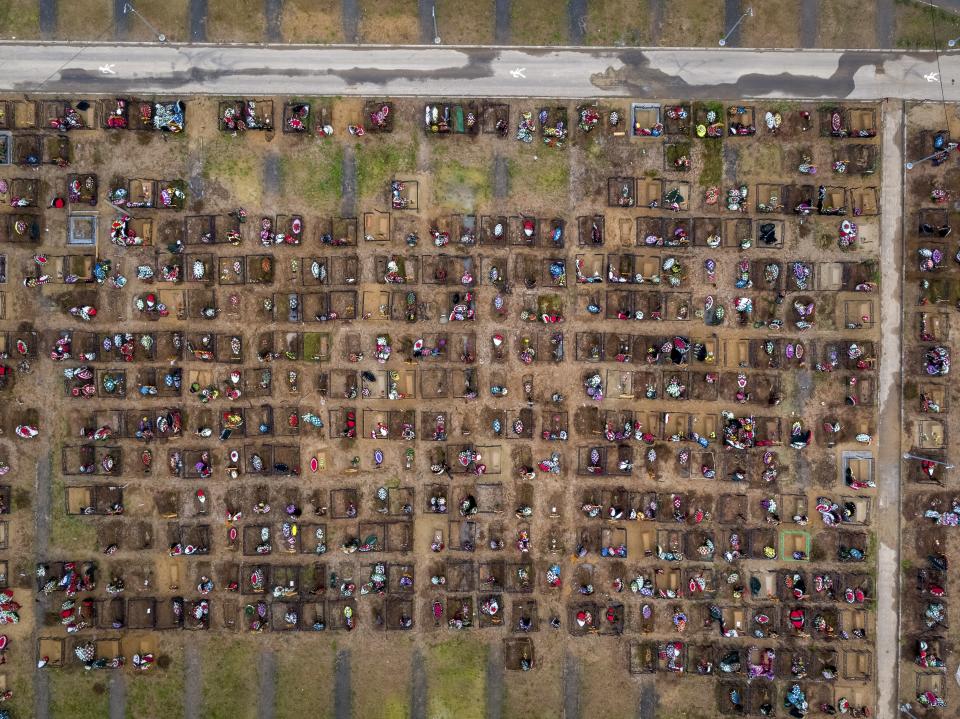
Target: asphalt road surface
477	71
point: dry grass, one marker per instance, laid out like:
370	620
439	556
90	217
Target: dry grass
914	25
691	23
618	22
156	694
539	694
847	24
545	180
602	689
533	23
230	679
228	161
763	161
381	678
19	19
465	23
305	675
85	20
380	160
311	21
68	531
456	676
461	178
77	694
20	680
389	22
236	21
774	24
711	153
169	17
312	175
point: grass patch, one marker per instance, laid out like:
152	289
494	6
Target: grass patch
914	25
674	151
85	20
517	704
460	186
539	694
781	106
774	24
304	679
227	159
239	169
691	23
465	23
20	682
79	695
618	22
532	23
847	24
236	21
156	694
19	19
169	17
594	160
910	390
381	679
314	174
712	172
311	21
547	178
22	499
456	672
69	531
395	708
762	159
672	713
380	162
312	346
389	22
705	107
597	696
230	679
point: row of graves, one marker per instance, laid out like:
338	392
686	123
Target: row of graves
600	478
688	565
929	504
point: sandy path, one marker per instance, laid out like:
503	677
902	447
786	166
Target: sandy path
888	464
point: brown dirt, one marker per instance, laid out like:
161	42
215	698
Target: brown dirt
455	176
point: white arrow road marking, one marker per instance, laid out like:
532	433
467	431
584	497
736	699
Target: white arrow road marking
932	77
107	69
518	73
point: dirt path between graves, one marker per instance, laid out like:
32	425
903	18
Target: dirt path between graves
888	459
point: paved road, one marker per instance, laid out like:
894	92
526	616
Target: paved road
483	72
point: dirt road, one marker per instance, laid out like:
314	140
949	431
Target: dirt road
888	474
